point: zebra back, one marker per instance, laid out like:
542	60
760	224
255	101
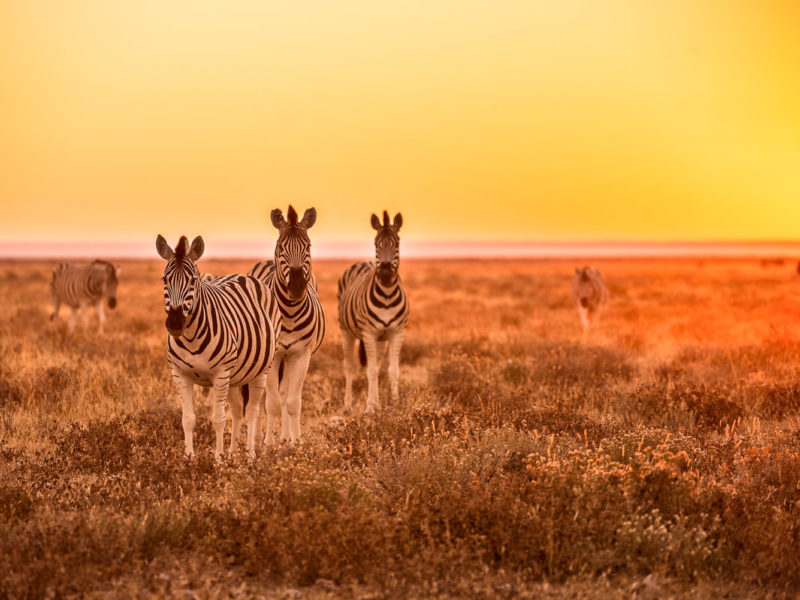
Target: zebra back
75	285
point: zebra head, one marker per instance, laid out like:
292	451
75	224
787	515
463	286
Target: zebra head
293	251
109	280
180	280
387	247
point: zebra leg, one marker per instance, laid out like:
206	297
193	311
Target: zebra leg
84	317
185	392
273	402
221	388
72	317
395	343
237	412
56	306
349	346
296	369
258	389
101	316
584	315
283	389
373	366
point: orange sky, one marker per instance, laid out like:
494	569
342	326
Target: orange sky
567	120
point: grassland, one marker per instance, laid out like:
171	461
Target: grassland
660	457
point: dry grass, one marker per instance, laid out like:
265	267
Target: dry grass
661	457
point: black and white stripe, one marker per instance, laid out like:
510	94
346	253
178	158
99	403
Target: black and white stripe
590	294
373	308
79	286
221	334
302	329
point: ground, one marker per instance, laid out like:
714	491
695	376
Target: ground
659	457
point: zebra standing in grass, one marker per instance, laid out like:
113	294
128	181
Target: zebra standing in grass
590	294
79	286
302	318
373	308
221	334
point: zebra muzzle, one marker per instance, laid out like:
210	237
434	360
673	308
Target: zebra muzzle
175	322
297	284
385	274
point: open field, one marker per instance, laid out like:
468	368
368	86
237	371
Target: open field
661	457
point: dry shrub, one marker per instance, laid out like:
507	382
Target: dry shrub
710	407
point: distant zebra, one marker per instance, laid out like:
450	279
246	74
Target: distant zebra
220	334
590	294
373	308
78	286
302	318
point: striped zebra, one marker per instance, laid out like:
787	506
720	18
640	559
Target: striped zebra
590	294
79	286
221	334
373	308
302	318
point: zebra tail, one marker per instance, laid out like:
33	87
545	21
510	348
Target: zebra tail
245	395
280	370
362	353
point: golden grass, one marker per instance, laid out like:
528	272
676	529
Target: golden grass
520	461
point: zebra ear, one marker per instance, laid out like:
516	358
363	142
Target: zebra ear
277	218
398	222
376	223
197	248
164	251
309	218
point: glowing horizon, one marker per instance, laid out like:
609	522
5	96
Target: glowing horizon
534	121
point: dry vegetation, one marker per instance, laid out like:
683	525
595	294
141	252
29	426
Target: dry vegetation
661	457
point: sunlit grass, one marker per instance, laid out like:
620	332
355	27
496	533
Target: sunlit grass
519	460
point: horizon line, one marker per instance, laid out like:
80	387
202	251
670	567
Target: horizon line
348	249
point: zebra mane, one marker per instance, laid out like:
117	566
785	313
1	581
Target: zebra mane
104	263
181	248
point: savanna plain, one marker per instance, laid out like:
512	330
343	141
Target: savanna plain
659	457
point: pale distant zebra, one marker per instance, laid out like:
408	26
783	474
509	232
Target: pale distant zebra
79	286
302	319
373	308
590	294
221	334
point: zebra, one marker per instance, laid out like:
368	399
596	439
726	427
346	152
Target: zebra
221	334
302	318
590	294
372	308
77	286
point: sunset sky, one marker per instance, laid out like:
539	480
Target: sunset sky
533	120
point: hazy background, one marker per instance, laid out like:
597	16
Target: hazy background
482	121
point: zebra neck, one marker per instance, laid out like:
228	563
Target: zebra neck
383	290
286	304
196	316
